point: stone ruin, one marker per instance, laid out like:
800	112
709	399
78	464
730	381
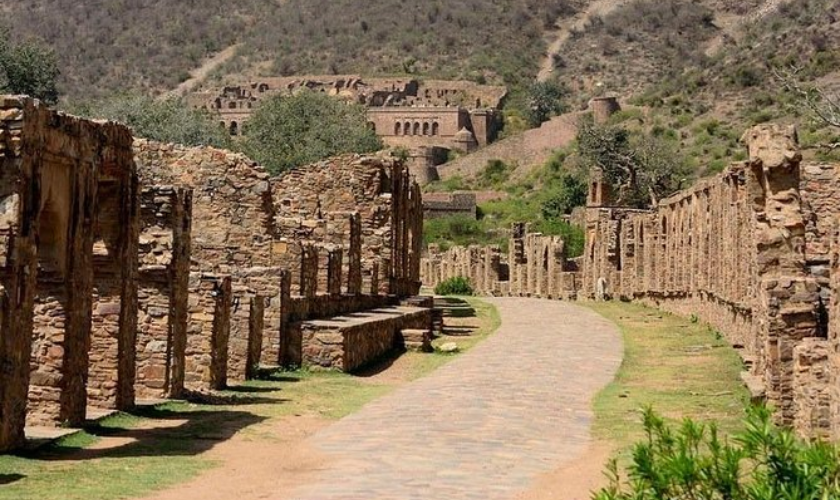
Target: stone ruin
134	269
752	251
535	266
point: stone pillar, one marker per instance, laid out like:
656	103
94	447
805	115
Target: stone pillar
787	296
354	256
209	332
113	360
255	336
334	264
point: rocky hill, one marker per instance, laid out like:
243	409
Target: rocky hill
153	45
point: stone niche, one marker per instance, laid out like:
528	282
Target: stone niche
67	205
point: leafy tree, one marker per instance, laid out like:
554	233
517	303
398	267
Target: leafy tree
291	131
568	192
28	68
694	462
166	120
641	168
545	100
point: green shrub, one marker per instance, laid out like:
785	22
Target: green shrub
286	132
457	285
694	462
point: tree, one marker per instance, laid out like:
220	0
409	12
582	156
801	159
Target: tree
545	99
290	131
165	120
640	168
566	193
28	68
823	104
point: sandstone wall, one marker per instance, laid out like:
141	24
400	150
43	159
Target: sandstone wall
233	225
389	207
535	266
163	299
732	251
55	168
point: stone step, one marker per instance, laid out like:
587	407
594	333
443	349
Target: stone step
417	339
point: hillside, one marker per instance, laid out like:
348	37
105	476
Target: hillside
153	45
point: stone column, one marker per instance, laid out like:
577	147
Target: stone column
787	296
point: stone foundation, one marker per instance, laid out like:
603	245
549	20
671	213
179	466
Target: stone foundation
348	343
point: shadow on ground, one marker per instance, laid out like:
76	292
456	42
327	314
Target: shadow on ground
175	433
10	478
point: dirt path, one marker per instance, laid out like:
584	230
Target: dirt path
198	74
565	27
732	26
506	418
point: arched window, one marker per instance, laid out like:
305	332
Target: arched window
435	128
397	128
426	128
372	126
223	124
234	128
416	128
218	103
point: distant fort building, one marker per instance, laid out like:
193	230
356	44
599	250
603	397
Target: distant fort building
412	113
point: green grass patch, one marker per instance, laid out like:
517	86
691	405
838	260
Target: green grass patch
678	367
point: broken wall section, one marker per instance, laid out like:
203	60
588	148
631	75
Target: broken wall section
389	205
232	234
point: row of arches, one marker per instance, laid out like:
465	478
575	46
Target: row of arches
416	128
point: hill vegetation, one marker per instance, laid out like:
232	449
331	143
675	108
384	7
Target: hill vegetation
151	45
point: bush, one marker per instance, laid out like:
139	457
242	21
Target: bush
28	68
291	131
457	285
694	462
168	120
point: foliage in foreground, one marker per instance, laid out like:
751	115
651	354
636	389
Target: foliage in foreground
290	131
457	285
165	120
694	462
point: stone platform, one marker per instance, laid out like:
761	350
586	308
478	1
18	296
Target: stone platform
352	341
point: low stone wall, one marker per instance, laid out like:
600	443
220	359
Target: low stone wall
348	343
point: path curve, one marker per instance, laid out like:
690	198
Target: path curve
484	426
565	27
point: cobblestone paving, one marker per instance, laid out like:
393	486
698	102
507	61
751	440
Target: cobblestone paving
483	426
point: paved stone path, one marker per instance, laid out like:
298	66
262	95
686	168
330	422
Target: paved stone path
486	424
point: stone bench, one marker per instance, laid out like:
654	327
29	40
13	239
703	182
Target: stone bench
352	341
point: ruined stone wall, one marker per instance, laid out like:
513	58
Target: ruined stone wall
163	299
535	266
54	169
820	197
233	226
388	203
731	251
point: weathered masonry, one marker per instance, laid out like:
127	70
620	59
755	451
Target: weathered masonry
68	242
134	269
535	266
752	251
